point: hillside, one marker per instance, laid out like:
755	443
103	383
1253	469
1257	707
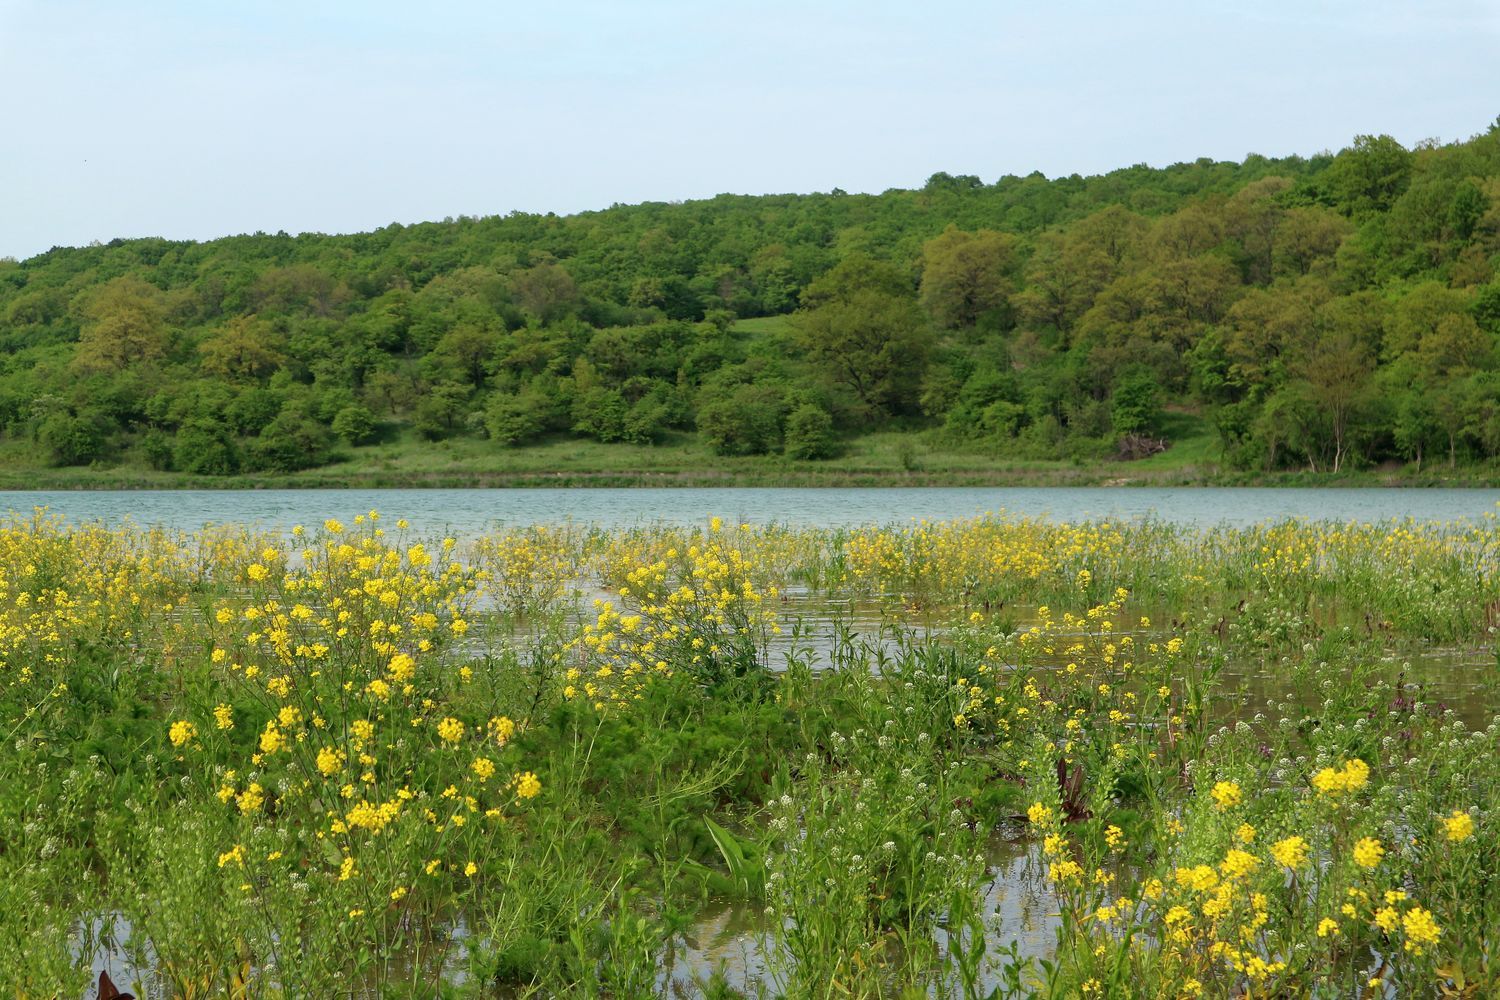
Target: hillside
1329	314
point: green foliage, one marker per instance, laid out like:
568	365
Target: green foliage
72	439
1135	407
809	433
600	413
748	421
1370	175
251	411
355	424
842	827
865	335
204	448
966	275
290	442
440	412
1019	316
156	447
515	419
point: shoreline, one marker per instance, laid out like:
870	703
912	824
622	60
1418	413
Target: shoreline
1091	476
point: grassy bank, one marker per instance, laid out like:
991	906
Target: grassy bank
891	458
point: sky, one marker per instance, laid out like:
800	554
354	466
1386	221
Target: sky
200	119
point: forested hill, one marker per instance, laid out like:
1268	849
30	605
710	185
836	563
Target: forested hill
1324	313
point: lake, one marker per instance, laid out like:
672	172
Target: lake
469	511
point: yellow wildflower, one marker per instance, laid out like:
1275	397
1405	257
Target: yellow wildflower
1291	852
1459	825
1368	852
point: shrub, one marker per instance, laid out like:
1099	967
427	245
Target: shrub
1135	407
809	433
646	421
156	446
355	424
291	443
746	422
72	439
513	420
600	413
252	410
441	411
204	448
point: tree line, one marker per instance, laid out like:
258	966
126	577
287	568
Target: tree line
1323	312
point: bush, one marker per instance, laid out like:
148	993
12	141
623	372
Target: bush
441	411
518	418
204	448
70	439
1002	419
355	424
1135	407
647	421
252	410
156	446
809	433
746	422
513	420
600	413
291	443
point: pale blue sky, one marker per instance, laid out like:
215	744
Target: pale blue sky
204	118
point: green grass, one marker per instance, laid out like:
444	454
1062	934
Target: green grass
764	326
882	458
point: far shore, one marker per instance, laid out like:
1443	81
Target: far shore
1100	475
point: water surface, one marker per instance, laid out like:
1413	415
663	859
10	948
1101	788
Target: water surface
469	511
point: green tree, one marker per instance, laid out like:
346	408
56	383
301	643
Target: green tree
204	448
1307	241
863	332
809	433
965	275
244	350
441	410
600	413
73	439
1333	379
355	424
291	442
514	419
123	325
1135	406
1370	175
546	291
466	352
1415	429
747	421
156	446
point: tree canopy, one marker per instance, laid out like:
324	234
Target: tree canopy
1323	312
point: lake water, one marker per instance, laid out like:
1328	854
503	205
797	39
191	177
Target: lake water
469	511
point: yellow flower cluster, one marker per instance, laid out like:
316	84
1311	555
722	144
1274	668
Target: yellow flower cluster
351	652
1227	795
1459	825
1290	852
1350	777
